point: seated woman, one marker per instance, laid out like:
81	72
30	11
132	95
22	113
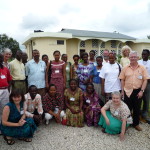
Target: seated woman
74	102
118	118
53	105
91	105
33	105
14	122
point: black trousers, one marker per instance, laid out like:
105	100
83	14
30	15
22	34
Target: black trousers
134	105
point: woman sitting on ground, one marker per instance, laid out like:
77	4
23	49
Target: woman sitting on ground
33	105
91	105
53	105
14	122
118	118
74	102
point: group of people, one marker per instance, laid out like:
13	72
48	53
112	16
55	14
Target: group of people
98	91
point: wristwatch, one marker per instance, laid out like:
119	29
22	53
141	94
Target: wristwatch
142	91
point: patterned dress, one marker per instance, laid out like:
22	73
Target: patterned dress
25	131
84	72
93	113
57	77
75	120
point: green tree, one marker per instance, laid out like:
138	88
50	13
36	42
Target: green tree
8	42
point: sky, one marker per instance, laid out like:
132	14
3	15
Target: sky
19	18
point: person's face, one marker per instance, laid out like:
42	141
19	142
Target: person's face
91	55
7	56
33	92
45	59
126	52
133	58
106	53
99	61
90	89
52	90
112	59
65	58
57	56
116	99
17	99
36	55
19	55
24	57
85	58
76	60
145	55
73	85
1	58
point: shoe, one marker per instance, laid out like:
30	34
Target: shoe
9	141
138	128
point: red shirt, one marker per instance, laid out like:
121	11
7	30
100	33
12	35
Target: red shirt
5	77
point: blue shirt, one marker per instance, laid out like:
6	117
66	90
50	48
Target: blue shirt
96	73
36	73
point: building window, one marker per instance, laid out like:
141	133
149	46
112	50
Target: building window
113	44
113	51
60	42
95	43
101	52
120	45
103	45
96	53
82	44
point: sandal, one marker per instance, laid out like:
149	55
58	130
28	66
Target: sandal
9	141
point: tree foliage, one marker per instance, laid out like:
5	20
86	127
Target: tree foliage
8	42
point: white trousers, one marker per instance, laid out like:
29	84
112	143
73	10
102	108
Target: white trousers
49	116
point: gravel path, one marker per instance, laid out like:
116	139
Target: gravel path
59	137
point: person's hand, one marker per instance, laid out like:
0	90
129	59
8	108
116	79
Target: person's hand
140	94
57	118
107	121
21	122
122	94
122	136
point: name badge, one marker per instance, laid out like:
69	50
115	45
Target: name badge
42	69
67	68
140	77
85	70
56	71
116	113
98	70
21	112
3	76
88	101
72	99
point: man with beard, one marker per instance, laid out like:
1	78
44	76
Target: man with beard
35	70
105	56
17	71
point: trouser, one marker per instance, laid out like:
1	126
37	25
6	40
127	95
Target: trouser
134	104
49	116
19	84
146	101
4	99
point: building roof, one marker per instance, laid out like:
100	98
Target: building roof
96	34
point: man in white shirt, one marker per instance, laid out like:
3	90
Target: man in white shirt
105	56
110	77
146	95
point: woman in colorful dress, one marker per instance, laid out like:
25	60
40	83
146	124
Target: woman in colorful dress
85	71
74	67
14	121
115	116
74	103
92	57
64	57
91	106
53	105
56	73
124	61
